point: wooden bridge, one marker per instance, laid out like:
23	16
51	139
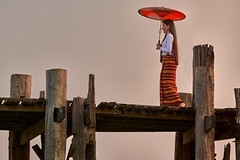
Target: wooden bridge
18	114
55	118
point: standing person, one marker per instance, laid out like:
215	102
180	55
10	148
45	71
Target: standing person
169	59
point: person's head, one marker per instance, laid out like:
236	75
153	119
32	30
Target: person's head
169	26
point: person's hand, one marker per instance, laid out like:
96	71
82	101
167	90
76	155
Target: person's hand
158	46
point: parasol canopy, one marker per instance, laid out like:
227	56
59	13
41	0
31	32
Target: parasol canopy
161	13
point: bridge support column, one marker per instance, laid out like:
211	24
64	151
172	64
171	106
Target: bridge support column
203	101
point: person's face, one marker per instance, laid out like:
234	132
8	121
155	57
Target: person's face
166	28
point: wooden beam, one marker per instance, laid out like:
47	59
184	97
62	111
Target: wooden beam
38	151
56	97
146	111
189	135
32	132
21	108
21	86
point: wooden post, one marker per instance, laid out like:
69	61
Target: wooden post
184	151
21	86
91	118
203	100
84	125
55	132
226	155
237	140
78	129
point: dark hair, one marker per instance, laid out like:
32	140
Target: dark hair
174	33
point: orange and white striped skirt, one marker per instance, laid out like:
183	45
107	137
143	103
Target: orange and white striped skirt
168	88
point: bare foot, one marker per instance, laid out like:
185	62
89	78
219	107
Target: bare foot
182	105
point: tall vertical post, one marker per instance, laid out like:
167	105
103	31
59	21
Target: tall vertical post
237	140
78	129
21	86
56	101
91	119
203	101
84	125
184	151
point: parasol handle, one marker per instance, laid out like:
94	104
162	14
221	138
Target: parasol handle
160	31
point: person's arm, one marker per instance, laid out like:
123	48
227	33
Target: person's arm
168	47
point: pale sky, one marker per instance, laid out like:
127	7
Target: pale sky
109	39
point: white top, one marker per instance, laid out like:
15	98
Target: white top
167	45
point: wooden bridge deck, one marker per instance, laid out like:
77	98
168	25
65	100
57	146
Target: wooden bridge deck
19	114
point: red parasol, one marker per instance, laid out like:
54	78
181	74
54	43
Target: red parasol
161	13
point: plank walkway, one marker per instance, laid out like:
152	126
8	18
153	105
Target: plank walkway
17	114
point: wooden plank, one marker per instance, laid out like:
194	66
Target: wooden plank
204	105
32	132
21	86
122	124
56	97
237	140
150	112
21	108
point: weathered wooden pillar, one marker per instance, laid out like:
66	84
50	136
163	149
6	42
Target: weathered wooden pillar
84	125
55	115
21	86
237	140
184	151
78	129
203	101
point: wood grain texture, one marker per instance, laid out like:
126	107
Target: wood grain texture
79	129
84	125
203	100
56	97
21	86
